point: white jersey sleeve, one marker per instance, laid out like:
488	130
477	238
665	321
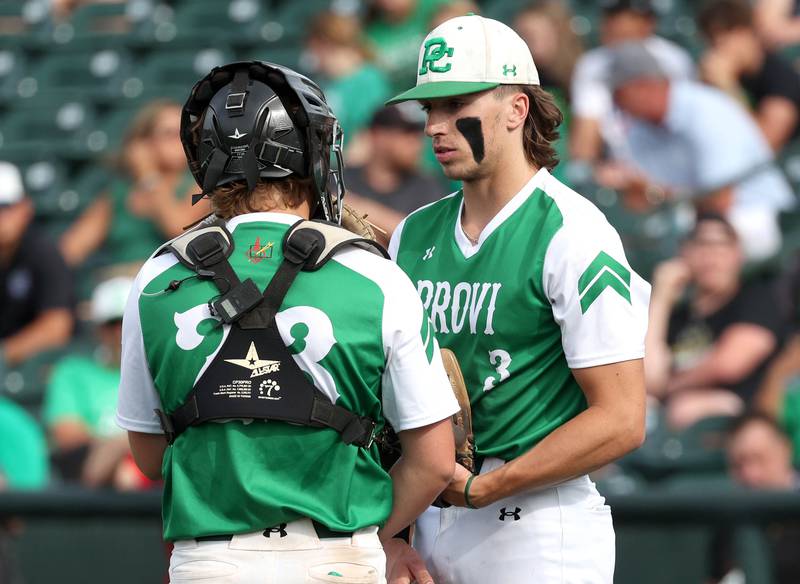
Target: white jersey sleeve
599	302
416	391
137	394
394	242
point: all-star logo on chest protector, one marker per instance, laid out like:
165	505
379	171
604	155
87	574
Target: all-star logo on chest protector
257	366
436	49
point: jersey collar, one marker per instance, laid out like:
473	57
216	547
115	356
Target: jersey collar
268	216
466	246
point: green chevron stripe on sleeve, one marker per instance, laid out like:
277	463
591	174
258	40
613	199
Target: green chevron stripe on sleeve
604	272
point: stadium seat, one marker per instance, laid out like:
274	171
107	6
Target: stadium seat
13	66
100	76
235	23
59	129
25	23
697	450
172	75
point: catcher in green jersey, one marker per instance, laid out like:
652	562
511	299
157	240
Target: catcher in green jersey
262	352
527	283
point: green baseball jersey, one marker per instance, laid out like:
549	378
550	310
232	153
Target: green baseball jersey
545	290
355	327
83	389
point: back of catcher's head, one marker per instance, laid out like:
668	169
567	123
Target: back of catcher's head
256	121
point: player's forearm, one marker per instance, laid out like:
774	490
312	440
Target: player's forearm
414	487
589	441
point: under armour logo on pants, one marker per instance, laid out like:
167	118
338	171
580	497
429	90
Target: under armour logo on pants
279	529
514	514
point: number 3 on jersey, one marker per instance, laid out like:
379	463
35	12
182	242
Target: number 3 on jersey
500	360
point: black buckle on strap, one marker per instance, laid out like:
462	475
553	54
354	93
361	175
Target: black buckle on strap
206	250
302	246
364	430
166	425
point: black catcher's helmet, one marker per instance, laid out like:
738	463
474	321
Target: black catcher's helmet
255	119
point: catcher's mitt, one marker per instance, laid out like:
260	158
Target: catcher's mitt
462	422
357	223
462	419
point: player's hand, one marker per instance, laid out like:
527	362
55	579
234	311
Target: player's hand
454	493
670	279
403	564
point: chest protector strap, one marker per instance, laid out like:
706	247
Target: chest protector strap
239	383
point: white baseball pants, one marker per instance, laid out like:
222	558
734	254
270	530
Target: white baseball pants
298	557
560	535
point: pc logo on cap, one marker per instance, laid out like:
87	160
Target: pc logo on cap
468	54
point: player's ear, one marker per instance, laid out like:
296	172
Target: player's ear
518	107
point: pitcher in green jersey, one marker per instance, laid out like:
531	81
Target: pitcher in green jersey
254	489
528	284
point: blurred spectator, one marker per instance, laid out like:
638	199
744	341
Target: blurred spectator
353	86
760	457
81	399
760	454
390	184
35	284
148	203
778	22
779	394
546	28
706	356
396	29
685	140
594	119
452	9
23	449
739	65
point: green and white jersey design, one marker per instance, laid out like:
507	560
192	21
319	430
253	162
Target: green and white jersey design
354	327
546	289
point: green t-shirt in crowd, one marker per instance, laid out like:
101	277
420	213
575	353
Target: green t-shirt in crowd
23	448
790	416
132	238
397	44
85	390
356	97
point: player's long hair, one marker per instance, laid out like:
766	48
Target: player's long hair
235	199
541	126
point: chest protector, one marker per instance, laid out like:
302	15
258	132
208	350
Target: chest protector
253	375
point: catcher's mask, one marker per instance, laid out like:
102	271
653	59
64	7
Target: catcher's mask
254	120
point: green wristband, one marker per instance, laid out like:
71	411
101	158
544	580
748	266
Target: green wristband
466	492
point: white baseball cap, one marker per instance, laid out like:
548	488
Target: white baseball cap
11	189
109	299
468	54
